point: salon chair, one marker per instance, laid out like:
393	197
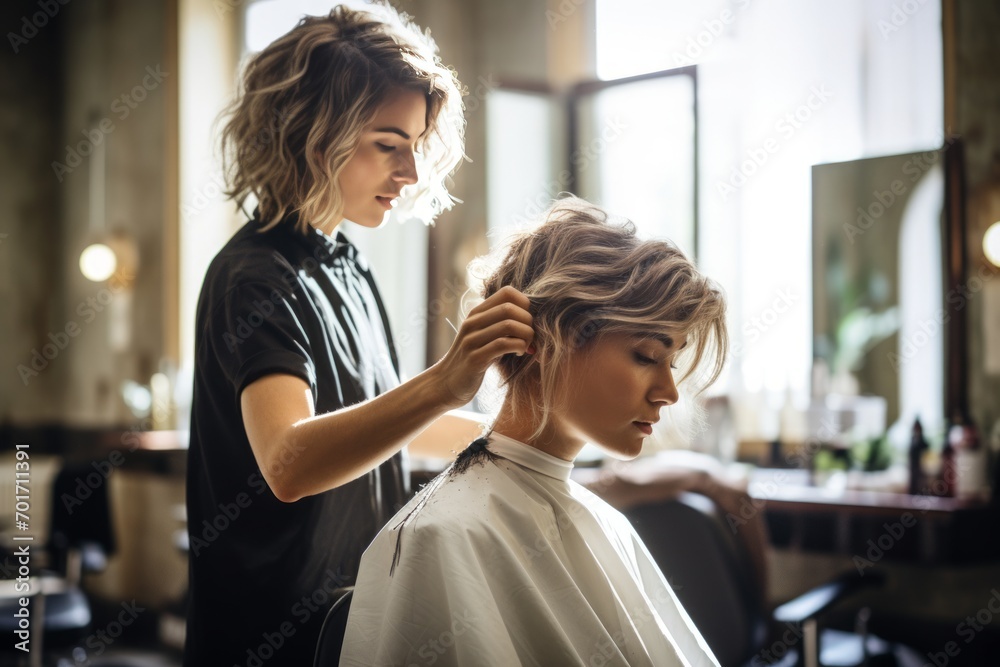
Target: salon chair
80	540
712	575
331	635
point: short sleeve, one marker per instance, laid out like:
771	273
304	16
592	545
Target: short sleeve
256	330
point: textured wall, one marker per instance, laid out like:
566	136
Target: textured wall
31	94
92	76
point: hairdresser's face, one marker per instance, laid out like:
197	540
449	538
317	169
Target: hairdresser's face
385	159
614	389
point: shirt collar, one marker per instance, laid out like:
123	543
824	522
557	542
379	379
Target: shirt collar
529	457
330	246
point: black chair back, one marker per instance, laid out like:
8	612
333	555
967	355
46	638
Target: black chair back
698	555
331	636
81	514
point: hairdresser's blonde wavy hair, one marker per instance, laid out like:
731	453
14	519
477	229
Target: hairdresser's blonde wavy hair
305	100
588	276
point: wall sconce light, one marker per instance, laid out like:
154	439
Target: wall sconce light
984	209
991	243
111	255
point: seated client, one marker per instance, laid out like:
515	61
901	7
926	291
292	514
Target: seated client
502	559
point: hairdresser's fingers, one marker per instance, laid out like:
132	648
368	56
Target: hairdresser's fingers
517	331
505	294
499	347
502	312
507	314
498	326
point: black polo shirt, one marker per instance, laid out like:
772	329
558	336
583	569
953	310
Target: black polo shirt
261	570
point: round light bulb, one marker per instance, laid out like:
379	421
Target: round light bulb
98	262
991	243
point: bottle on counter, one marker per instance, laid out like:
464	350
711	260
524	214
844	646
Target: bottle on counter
918	448
971	463
994	456
948	477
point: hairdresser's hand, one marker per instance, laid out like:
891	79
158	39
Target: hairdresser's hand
499	325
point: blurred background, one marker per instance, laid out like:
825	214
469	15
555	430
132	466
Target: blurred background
834	166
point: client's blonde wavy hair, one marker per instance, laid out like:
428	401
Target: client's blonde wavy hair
588	276
305	100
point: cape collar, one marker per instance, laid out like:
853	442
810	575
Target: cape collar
529	457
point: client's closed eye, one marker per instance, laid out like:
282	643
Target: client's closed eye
385	148
649	361
644	360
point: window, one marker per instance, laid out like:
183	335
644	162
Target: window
781	86
628	145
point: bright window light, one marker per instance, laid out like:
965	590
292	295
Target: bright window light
267	20
639	36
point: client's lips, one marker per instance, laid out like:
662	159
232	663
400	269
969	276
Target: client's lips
644	427
385	201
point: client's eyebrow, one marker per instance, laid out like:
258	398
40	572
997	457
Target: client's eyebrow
393	130
668	342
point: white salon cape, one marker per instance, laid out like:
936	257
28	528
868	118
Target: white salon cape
512	563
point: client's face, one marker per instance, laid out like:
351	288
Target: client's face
614	389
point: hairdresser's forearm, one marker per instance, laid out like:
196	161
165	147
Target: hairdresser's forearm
326	451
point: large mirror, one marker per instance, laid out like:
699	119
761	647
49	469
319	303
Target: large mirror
880	279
